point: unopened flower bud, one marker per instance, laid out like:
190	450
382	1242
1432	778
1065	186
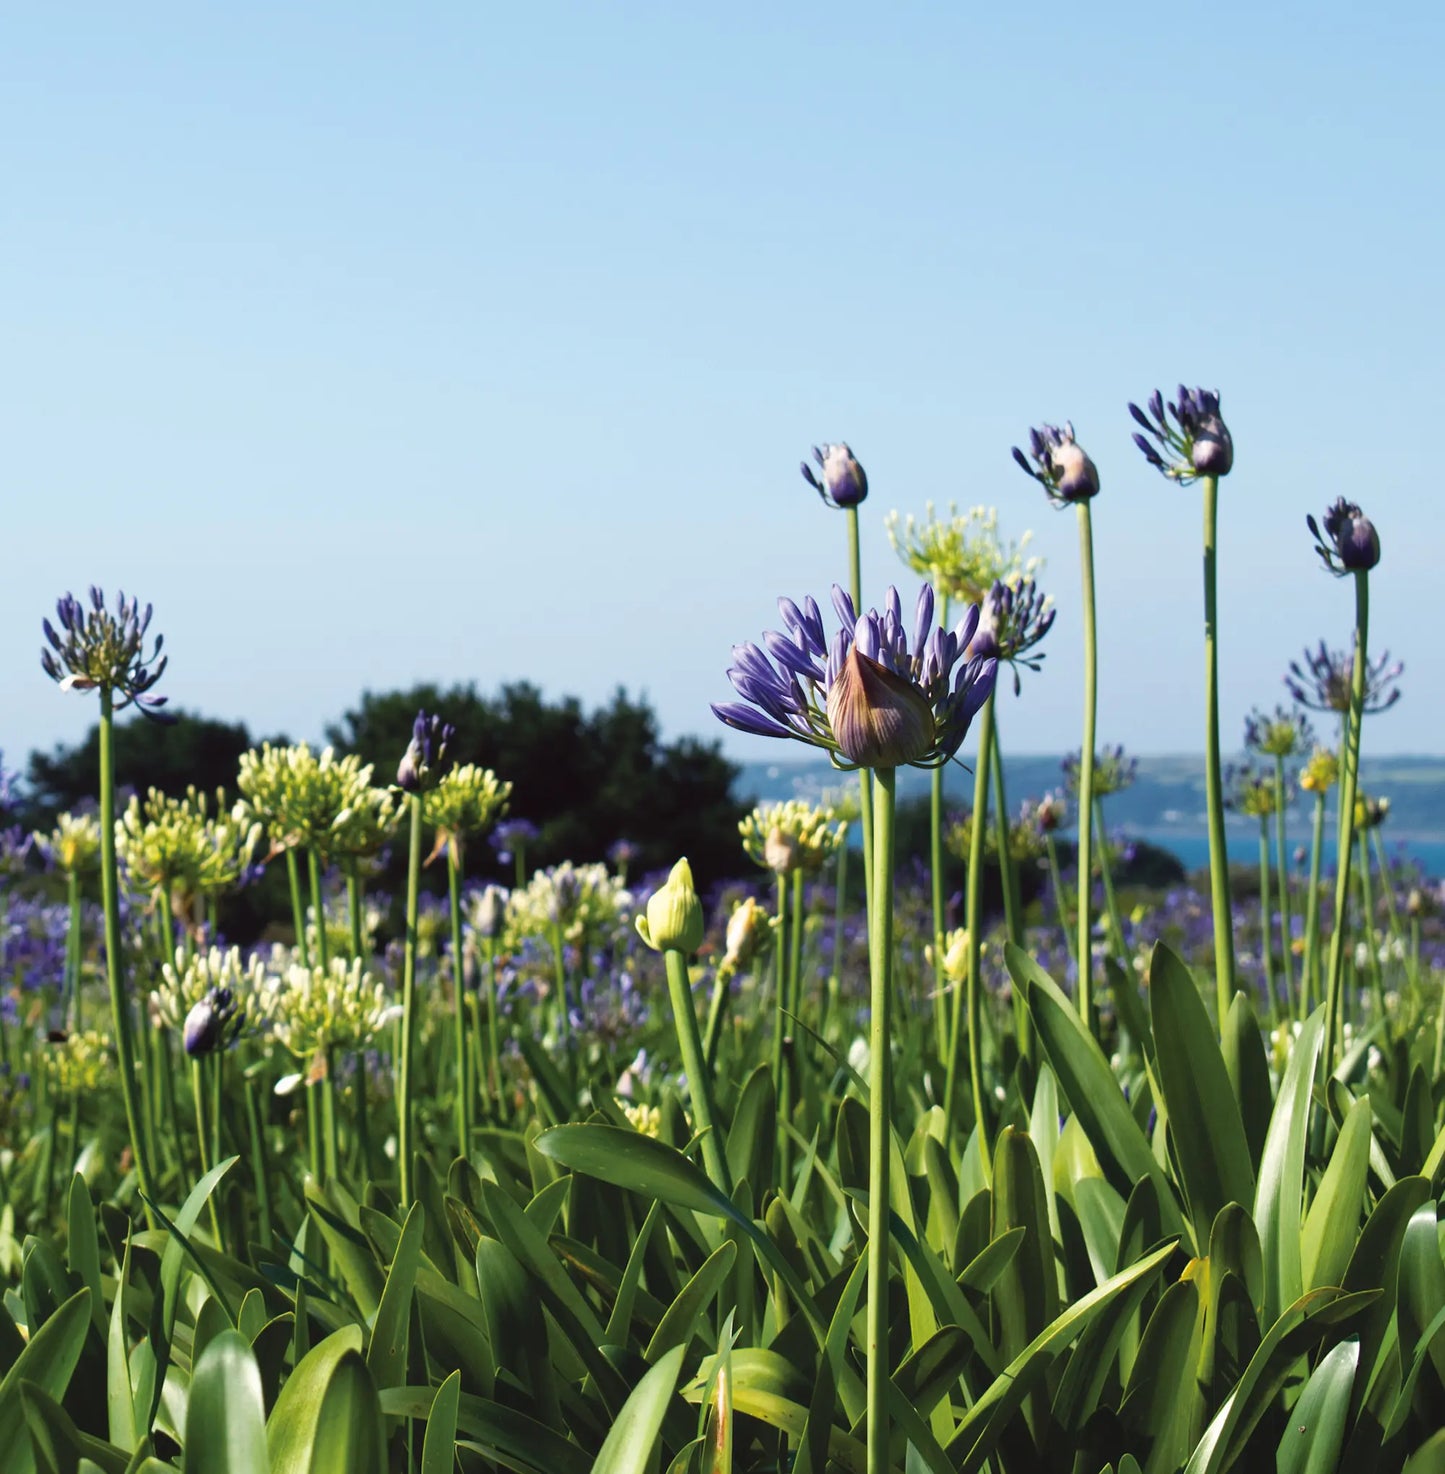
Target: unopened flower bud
674	921
1349	543
780	851
879	719
491	911
209	1022
746	931
955	956
843	482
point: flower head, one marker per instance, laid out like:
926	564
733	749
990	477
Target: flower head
103	651
1060	465
466	801
73	846
1349	543
1283	733
872	698
488	911
1322	680
1012	620
1371	812
1046	814
842	482
426	760
1197	444
747	930
1250	792
674	921
1113	772
1321	772
961	555
794	835
212	1023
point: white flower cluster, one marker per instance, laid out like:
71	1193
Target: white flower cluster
586	901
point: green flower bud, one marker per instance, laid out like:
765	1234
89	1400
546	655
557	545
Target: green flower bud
674	914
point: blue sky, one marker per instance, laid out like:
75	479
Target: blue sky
465	342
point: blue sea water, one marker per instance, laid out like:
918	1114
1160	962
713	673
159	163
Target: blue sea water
1193	849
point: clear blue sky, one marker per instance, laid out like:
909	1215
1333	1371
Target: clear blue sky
462	341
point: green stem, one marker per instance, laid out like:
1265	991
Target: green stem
1213	773
1061	901
880	1121
459	1020
405	1143
935	870
780	991
258	1161
1266	942
494	1023
203	1140
716	1008
1367	910
119	1002
298	911
354	914
1084	951
318	907
1310	978
331	1143
840	905
689	1040
74	948
1111	899
865	784
1349	785
1008	874
559	968
795	981
1286	921
977	832
1391	910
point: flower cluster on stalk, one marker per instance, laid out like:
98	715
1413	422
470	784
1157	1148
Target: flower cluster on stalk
1370	811
176	845
426	760
73	846
1013	618
1197	442
1321	771
339	1006
1044	814
1349	542
1249	791
466	802
873	698
788	836
212	994
1321	680
839	480
318	800
107	652
1281	733
1059	465
583	901
1113	772
961	555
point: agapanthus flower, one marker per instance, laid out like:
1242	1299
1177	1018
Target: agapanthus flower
1060	465
1013	618
1323	681
961	555
788	836
1197	444
1046	814
842	482
1282	733
466	801
487	911
747	929
1113	772
512	836
1251	792
1349	543
426	760
868	699
1370	812
1321	772
73	846
212	1023
104	651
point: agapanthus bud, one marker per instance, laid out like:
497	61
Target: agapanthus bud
780	851
1350	543
1198	443
209	1024
1060	465
491	911
843	482
674	920
955	956
747	930
879	719
426	759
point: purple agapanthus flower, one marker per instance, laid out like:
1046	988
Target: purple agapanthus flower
1198	443
842	483
1060	465
103	651
1321	681
1349	543
426	760
873	697
1012	620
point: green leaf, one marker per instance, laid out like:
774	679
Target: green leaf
1315	1431
1162	1402
628	1446
1279	1197
1332	1226
813	1446
753	1132
1090	1088
439	1452
1420	1293
327	1419
500	1434
1242	1045
386	1351
48	1361
1204	1120
83	1247
119	1393
226	1412
59	1444
684	1316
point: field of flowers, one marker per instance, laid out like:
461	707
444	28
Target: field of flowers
595	1172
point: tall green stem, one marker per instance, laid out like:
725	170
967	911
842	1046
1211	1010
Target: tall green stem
689	1042
298	910
1213	773
1349	786
865	778
462	1112
840	909
1281	866
977	832
119	1003
405	1145
1266	942
1111	899
318	906
880	1119
494	1023
1061	901
1310	977
1008	872
1084	951
1367	913
935	871
780	989
354	914
74	950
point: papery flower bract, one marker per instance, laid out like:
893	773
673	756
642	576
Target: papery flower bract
674	920
1197	444
425	760
104	651
1323	681
1060	465
1349	543
1283	733
871	699
842	482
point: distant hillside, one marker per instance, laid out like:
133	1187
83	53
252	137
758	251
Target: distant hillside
1166	799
